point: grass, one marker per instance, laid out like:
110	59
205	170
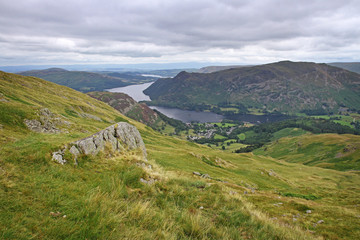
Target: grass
333	151
103	198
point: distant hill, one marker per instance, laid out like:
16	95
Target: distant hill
283	86
78	80
351	66
129	107
211	69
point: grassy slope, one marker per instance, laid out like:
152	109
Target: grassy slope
340	152
102	198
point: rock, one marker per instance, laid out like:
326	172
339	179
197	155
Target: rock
47	123
308	211
120	136
205	176
87	146
149	182
74	151
201	207
294	219
320	221
58	157
197	173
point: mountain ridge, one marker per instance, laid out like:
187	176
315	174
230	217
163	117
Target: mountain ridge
283	86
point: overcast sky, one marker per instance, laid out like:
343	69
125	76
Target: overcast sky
159	31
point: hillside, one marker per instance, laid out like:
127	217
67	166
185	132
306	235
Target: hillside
183	191
78	80
340	152
283	86
351	66
129	107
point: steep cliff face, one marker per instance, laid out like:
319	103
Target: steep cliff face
120	136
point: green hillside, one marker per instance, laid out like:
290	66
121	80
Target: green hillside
230	196
284	86
340	152
78	80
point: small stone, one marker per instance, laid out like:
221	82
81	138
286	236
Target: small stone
274	218
64	216
201	207
57	157
320	221
308	211
197	173
294	219
205	176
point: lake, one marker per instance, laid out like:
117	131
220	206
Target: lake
189	116
136	92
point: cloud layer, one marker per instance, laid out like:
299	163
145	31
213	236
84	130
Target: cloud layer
232	31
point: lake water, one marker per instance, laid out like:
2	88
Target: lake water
189	116
136	92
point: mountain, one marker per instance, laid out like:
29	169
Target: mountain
129	107
211	69
351	66
181	191
283	86
78	80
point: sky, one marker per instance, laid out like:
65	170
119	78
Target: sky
173	31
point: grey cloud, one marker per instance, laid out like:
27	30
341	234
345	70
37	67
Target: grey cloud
176	28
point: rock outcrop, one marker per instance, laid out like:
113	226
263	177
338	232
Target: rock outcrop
120	136
48	122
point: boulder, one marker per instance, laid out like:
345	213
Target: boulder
120	136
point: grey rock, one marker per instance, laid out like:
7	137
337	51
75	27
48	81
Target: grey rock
308	211
148	182
320	221
120	136
58	157
197	173
87	146
205	176
74	151
47	123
